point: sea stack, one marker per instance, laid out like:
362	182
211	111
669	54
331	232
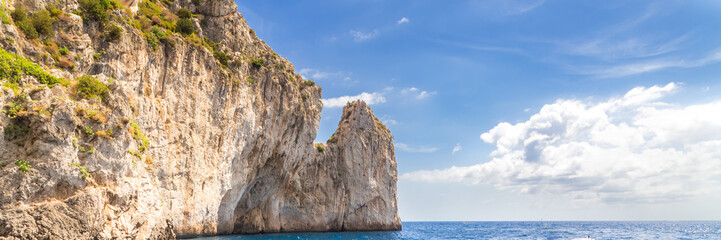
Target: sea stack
164	119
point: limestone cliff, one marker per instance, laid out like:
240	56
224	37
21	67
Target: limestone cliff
351	185
156	119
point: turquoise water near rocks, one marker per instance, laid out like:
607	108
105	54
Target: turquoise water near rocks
517	230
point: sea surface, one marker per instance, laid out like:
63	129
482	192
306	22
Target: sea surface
518	230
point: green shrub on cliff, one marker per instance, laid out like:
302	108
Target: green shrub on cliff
14	67
23	166
184	13
54	12
20	16
28	29
13	109
96	9
222	57
43	22
115	33
149	9
15	131
319	147
155	36
257	63
184	26
159	33
138	134
40	22
5	19
89	131
90	87
63	51
83	171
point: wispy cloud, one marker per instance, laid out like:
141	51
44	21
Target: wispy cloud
621	41
507	7
418	94
519	7
403	20
634	68
618	50
320	75
456	148
425	94
360	36
484	48
388	121
633	47
407	148
633	148
369	98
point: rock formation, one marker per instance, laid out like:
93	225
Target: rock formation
351	185
133	119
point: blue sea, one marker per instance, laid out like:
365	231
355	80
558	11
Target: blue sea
518	230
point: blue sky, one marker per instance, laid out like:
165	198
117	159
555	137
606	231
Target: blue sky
522	110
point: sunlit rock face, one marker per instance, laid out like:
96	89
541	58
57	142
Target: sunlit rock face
182	144
350	184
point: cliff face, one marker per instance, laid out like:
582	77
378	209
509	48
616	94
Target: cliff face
351	185
196	133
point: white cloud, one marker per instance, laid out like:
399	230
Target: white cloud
320	75
518	7
630	149
403	20
484	48
506	7
621	41
456	148
405	147
369	98
611	49
649	66
418	94
408	90
424	94
359	36
388	121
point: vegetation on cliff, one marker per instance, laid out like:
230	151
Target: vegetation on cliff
14	67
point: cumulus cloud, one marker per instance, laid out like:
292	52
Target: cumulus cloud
456	148
369	98
417	93
403	20
631	148
360	36
407	148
